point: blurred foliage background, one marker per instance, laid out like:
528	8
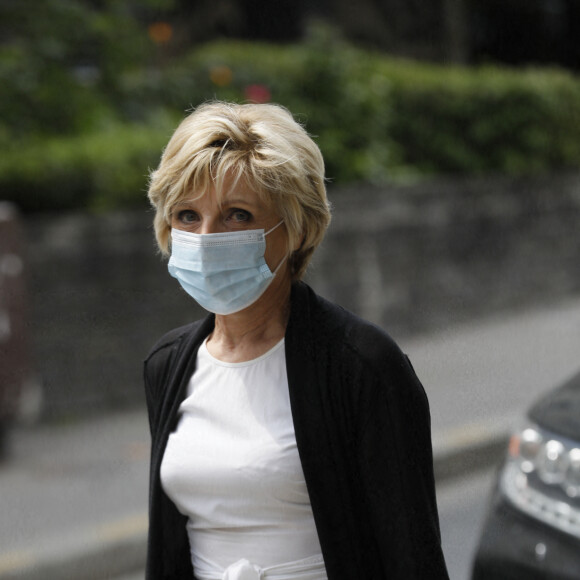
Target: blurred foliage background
91	90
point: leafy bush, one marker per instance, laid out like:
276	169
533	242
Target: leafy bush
61	62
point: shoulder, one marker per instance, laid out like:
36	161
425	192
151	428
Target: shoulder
175	345
358	366
171	339
168	360
353	336
365	357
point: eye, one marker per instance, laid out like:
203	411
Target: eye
187	216
239	215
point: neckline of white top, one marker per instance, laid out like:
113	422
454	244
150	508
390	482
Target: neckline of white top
203	351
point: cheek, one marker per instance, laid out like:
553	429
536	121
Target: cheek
276	250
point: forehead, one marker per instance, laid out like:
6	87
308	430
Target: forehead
226	195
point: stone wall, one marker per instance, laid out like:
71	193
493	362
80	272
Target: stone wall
412	258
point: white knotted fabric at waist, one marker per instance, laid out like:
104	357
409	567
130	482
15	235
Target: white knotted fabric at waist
311	568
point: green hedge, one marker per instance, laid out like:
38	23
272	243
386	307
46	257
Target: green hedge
485	120
376	119
102	170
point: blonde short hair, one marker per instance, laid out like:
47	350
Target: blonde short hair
260	144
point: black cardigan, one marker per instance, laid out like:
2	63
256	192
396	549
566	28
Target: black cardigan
362	425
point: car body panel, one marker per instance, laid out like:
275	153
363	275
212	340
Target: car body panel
559	411
513	544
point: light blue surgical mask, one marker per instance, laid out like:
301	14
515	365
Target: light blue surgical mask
225	272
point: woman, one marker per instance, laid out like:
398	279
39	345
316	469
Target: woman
290	439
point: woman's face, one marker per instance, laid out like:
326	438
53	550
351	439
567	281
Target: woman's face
241	209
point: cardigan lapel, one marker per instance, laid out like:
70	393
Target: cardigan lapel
183	369
315	423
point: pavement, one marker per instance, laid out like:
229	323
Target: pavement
73	496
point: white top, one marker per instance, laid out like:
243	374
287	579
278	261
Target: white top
232	467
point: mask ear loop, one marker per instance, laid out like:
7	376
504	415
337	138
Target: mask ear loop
272	229
279	265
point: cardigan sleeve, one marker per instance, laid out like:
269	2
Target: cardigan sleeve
155	371
396	466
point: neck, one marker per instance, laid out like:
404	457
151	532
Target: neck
247	334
